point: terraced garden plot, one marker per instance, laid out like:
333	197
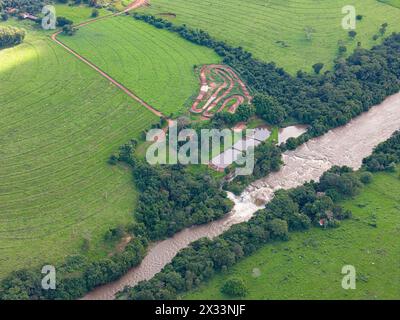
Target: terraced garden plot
59	122
274	30
155	64
309	265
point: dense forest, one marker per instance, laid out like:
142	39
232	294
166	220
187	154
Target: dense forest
297	209
11	36
170	199
323	101
31	6
385	156
75	277
267	159
313	204
173	198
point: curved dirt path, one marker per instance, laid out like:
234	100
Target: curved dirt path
213	96
132	6
346	145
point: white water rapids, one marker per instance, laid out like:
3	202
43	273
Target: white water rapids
346	145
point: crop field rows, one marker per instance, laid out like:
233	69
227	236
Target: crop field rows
155	64
274	30
59	122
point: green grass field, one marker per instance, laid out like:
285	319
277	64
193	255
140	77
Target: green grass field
394	3
155	64
309	265
77	14
273	30
59	122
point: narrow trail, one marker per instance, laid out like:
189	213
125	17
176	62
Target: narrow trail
134	5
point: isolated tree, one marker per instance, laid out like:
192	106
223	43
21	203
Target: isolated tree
366	177
69	30
318	67
342	49
383	28
234	287
95	13
352	34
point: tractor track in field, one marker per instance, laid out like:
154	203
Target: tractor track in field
134	5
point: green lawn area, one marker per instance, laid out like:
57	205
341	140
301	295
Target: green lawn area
155	64
59	122
274	30
309	265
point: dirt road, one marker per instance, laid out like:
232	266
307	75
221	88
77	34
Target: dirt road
213	94
132	6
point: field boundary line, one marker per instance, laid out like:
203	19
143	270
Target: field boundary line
132	6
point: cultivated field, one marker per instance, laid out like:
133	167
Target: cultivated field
59	122
155	64
77	14
309	265
274	30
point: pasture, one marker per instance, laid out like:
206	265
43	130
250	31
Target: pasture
275	30
156	65
59	123
77	14
394	3
309	265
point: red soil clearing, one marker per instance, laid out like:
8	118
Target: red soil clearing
213	94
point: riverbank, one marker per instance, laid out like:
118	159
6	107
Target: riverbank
346	145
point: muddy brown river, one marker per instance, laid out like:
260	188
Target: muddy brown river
346	145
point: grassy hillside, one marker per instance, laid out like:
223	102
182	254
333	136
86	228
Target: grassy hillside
155	64
309	265
59	122
274	30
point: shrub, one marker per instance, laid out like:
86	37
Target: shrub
352	34
318	67
95	13
366	177
11	36
4	16
62	21
234	287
